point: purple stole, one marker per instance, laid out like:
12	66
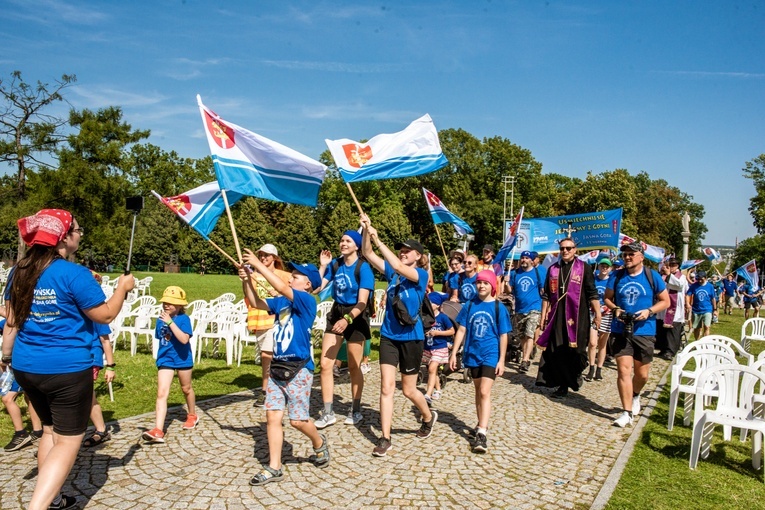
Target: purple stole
571	298
669	318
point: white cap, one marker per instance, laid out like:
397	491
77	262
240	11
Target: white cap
270	249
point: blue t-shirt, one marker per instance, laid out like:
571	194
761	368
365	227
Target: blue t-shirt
635	294
730	288
526	286
292	326
172	352
466	287
345	290
98	349
703	295
600	286
482	331
443	323
411	294
57	338
749	289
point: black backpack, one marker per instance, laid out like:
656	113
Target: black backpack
369	311
647	271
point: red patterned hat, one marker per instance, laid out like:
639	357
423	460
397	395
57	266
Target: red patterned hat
45	228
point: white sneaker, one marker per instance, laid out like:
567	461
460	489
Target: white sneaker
636	405
325	420
365	368
623	420
354	418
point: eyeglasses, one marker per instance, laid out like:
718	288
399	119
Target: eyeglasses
79	230
469	263
567	248
628	254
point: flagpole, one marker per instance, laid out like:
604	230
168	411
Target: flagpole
231	224
438	233
353	196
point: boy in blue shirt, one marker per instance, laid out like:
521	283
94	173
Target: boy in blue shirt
436	349
483	327
701	299
289	385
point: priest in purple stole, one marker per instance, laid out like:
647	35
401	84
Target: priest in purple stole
569	288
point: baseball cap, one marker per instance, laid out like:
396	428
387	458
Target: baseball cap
270	249
437	298
308	270
412	244
634	246
488	247
618	263
527	254
534	255
605	260
174	295
701	274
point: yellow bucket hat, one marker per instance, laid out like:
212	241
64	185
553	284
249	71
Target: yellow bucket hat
174	296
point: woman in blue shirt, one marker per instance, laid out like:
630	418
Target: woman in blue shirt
402	335
51	303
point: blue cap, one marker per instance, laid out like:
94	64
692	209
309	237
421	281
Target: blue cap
527	254
437	298
534	255
309	270
618	263
355	236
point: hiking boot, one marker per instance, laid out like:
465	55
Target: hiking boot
191	421
382	448
354	418
320	458
154	436
325	420
636	405
479	445
427	426
623	420
598	374
19	440
590	374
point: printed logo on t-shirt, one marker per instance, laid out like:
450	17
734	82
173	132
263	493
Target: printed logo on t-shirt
702	295
468	291
480	324
342	282
284	329
525	283
632	292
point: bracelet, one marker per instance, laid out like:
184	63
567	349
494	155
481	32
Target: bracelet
349	318
109	368
170	322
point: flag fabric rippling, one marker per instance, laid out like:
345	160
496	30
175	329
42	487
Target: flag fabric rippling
200	207
749	273
441	214
511	240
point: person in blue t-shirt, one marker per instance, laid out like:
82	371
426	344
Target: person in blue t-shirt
353	285
700	298
484	325
402	335
526	284
751	295
289	386
729	293
629	291
463	284
173	333
51	303
436	349
102	348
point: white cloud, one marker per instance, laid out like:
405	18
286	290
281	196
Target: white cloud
333	67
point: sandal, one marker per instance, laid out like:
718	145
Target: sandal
268	475
97	438
320	459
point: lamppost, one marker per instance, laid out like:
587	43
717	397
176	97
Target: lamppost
507	179
686	233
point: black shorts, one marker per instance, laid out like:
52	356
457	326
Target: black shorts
407	355
357	332
165	367
751	304
483	371
61	400
639	347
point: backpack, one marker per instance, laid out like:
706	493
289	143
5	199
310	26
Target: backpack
647	271
369	311
426	313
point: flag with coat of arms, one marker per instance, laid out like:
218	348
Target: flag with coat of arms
712	254
441	214
652	253
511	241
200	207
413	151
251	164
749	273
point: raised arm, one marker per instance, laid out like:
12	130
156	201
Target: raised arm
276	282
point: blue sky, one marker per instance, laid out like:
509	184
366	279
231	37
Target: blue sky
676	89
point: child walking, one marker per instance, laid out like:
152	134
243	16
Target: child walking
436	350
484	325
173	331
102	347
289	384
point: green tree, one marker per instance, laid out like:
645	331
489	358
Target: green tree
755	170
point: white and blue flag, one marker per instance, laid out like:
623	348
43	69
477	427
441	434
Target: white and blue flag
511	240
413	151
200	207
253	165
712	254
441	214
749	273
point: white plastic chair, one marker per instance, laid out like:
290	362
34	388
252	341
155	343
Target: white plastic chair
377	320
142	325
322	310
738	349
221	328
244	338
198	304
740	397
144	300
752	329
225	297
684	380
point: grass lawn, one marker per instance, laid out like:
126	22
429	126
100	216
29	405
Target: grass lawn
657	474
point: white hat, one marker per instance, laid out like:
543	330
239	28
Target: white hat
270	249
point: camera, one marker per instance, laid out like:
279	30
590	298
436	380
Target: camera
628	319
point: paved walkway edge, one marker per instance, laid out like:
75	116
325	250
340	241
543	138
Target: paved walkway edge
621	461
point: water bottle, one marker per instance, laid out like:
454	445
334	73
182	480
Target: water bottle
6	381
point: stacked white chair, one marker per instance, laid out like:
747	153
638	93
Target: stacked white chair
377	320
752	329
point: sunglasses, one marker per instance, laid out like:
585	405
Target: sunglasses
567	248
469	263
